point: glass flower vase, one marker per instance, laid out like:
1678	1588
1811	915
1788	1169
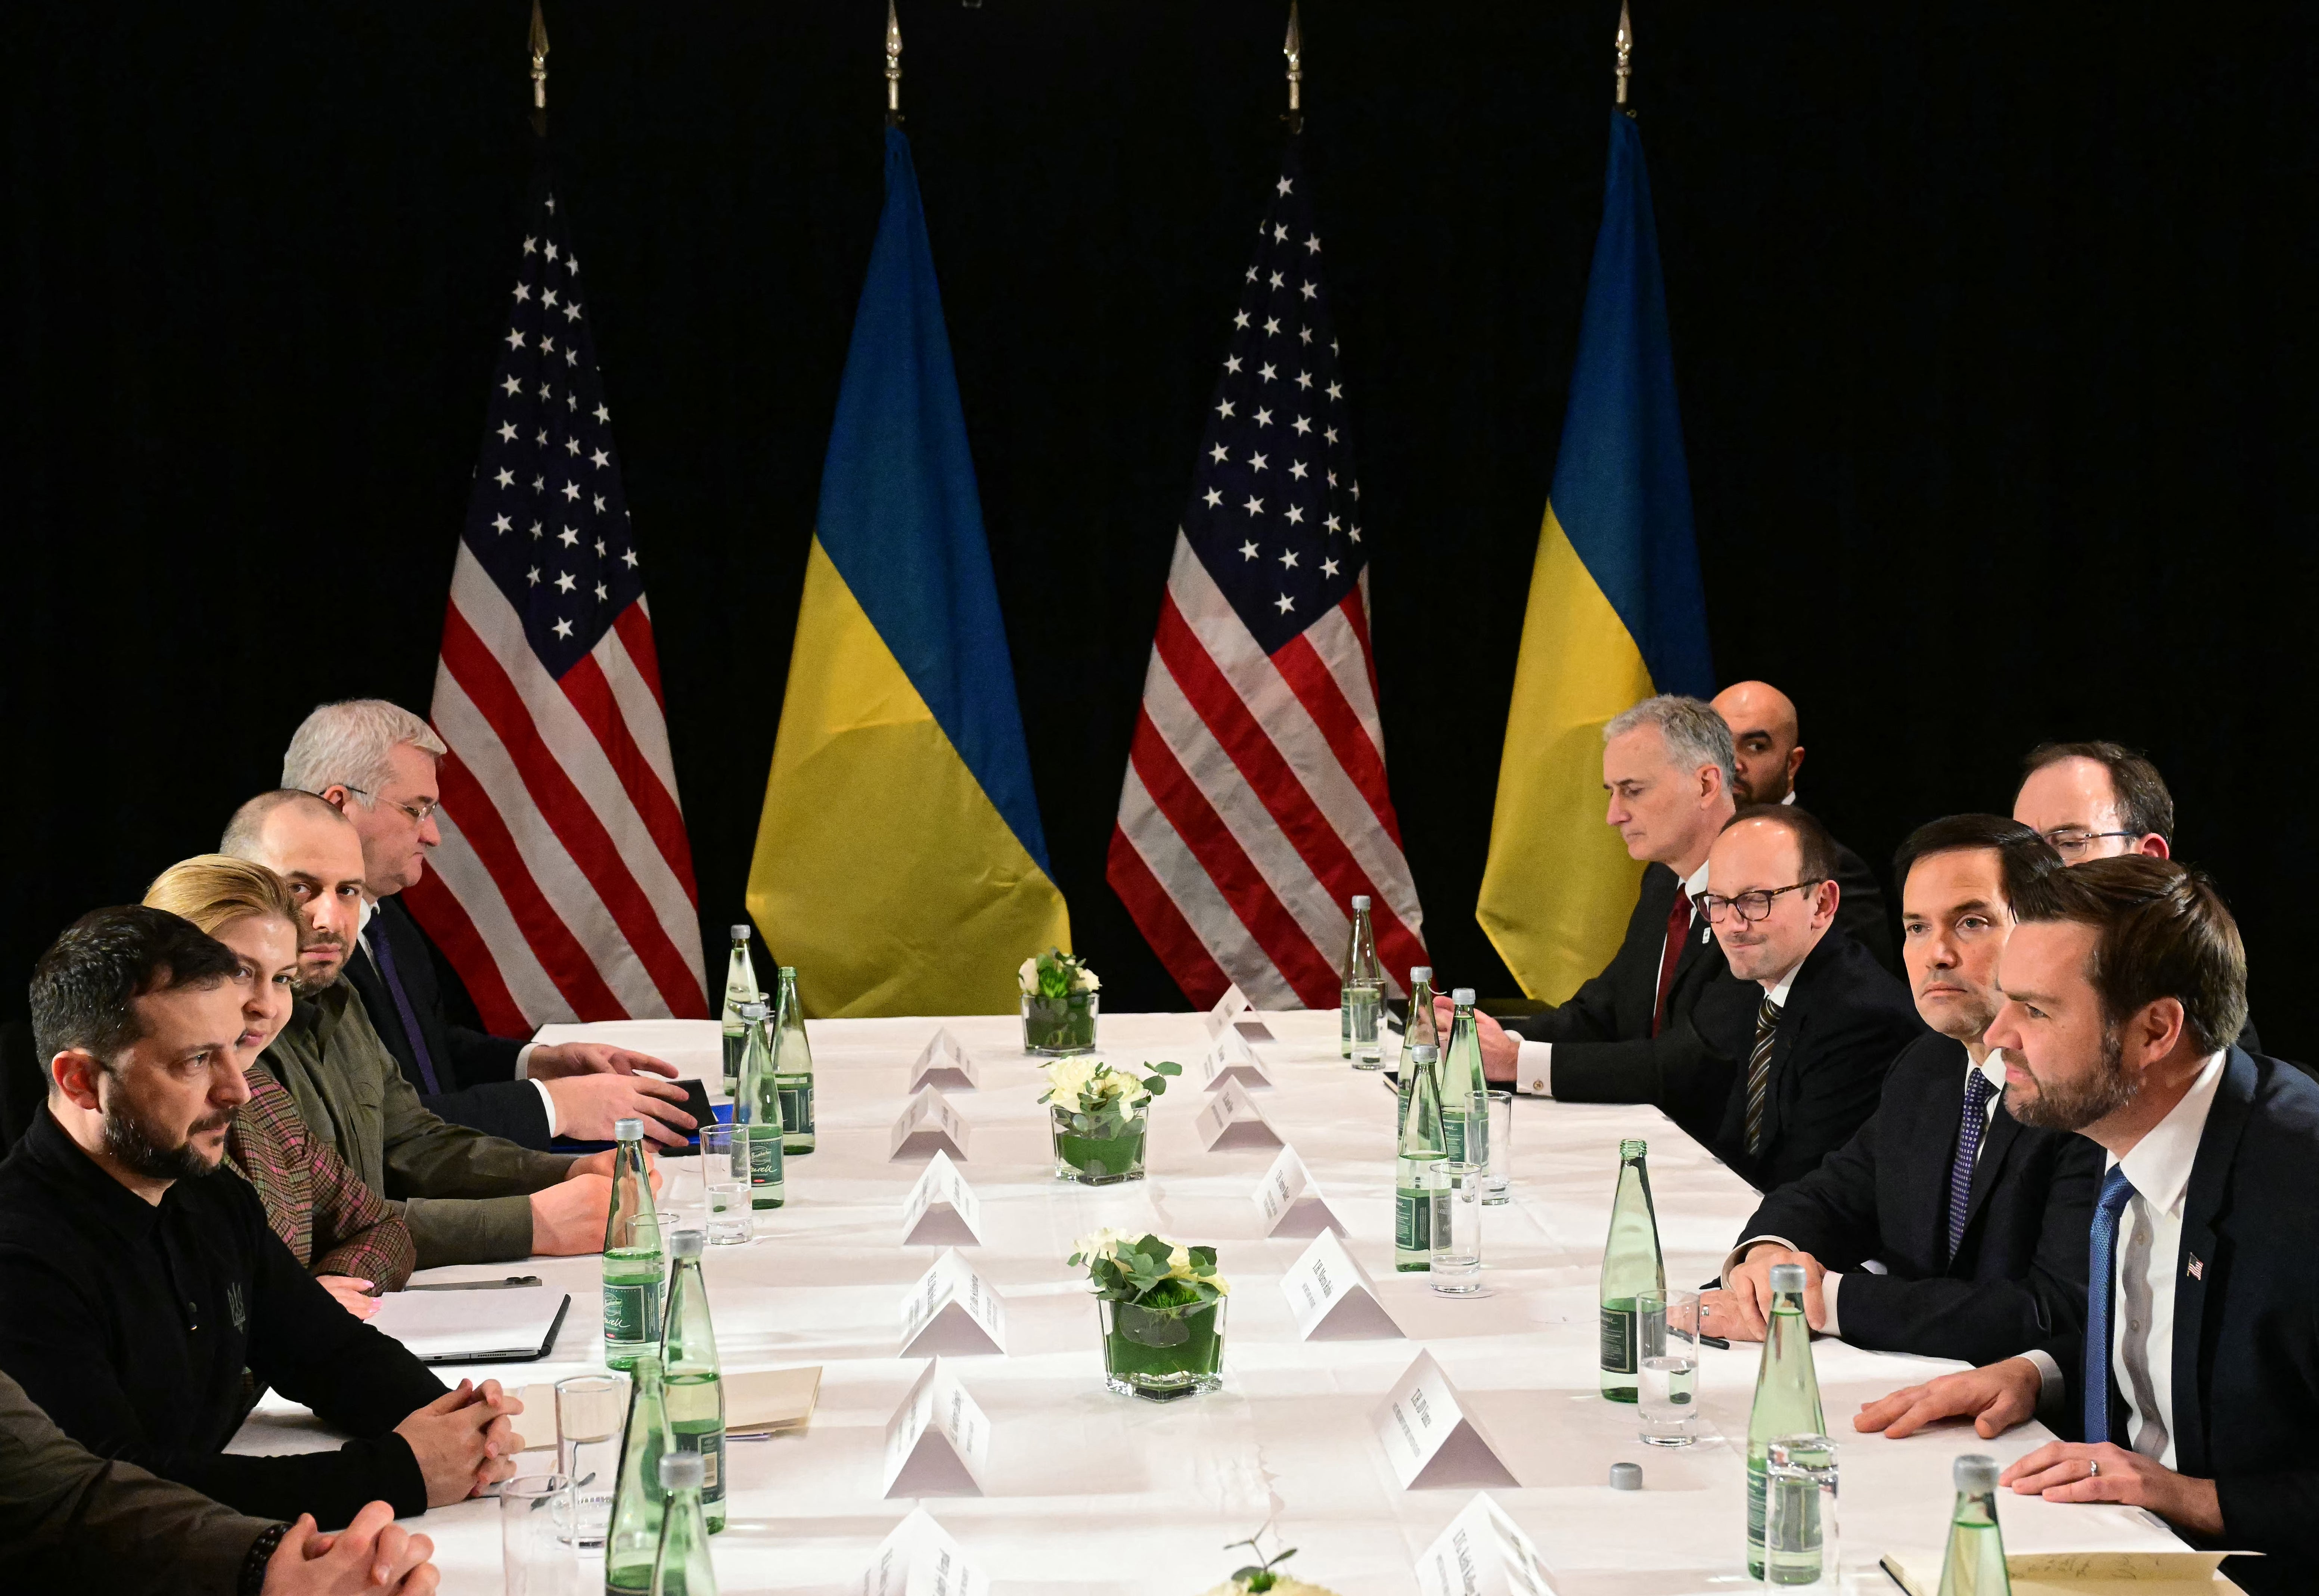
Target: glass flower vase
1058	1027
1093	1153
1160	1354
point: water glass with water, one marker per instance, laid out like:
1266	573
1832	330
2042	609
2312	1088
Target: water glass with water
725	1181
590	1409
1666	1330
1456	1264
1497	1184
1801	1551
537	1558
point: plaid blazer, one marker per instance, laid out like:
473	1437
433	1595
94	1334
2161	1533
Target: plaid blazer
331	1222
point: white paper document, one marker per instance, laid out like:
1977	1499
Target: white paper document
1333	1297
938	1441
920	1559
1234	1010
1232	1119
928	1124
952	1309
1228	1058
1482	1553
1288	1202
941	1210
507	1324
1433	1439
944	1063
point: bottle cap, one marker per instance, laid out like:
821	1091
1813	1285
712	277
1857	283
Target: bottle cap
1360	900
1463	997
1787	1277
752	1011
1626	1476
741	934
1976	1472
686	1244
789	972
679	1471
627	1129
1420	972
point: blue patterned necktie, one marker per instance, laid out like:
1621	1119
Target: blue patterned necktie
1970	1128
2101	1276
383	957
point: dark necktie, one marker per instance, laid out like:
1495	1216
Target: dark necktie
1678	932
2101	1275
1759	1071
1970	1128
382	954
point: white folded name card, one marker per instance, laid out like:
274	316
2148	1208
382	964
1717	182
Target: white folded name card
1482	1553
942	1210
920	1559
1289	1202
1228	1058
1333	1297
1233	1119
1433	1440
925	1125
943	1063
938	1441
1234	1009
952	1309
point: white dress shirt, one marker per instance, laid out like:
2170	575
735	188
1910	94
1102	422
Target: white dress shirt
1534	1060
2149	1263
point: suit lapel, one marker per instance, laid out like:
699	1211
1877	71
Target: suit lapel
1795	1023
2004	1131
1651	901
2202	1204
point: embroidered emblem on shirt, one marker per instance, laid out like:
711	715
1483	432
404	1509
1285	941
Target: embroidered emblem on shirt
235	1309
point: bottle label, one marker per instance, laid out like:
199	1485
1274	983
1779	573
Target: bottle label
1618	1341
1412	1227
631	1312
711	1444
797	1108
764	1159
1453	1137
1756	1482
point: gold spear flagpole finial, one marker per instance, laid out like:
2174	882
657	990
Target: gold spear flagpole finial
1626	53
538	58
893	65
1294	48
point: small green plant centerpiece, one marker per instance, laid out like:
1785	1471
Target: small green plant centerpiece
1098	1116
1264	1574
1060	997
1162	1308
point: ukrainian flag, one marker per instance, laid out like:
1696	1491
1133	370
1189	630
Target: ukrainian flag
900	865
1616	612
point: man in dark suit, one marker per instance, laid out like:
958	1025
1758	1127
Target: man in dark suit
1766	741
374	762
1976	1223
1828	1018
1664	1023
2193	1388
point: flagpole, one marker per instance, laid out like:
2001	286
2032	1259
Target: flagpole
1626	44
1294	48
539	70
893	67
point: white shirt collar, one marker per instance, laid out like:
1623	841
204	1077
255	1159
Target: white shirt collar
1696	882
1779	994
1992	1069
2159	1164
1790	798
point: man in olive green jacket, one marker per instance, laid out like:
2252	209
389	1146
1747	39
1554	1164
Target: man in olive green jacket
468	1198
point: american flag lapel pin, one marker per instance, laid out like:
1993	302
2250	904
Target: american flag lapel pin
2198	1268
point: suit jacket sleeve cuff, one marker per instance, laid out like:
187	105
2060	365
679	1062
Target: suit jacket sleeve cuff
1534	1068
546	1102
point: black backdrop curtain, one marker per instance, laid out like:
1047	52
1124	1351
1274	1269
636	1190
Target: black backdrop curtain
1992	326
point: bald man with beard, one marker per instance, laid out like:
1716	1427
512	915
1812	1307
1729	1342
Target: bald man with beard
1766	739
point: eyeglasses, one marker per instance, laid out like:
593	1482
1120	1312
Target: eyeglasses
421	814
2071	842
1752	907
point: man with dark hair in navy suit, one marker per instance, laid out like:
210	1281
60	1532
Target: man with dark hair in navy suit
2194	1391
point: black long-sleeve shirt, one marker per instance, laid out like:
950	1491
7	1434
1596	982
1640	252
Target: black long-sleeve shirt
130	1323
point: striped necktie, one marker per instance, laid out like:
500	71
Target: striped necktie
1759	1071
1971	1129
2101	1274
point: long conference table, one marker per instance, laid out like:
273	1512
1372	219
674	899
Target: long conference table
1088	1491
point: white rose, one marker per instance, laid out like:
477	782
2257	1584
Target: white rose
1068	1079
1087	981
1028	976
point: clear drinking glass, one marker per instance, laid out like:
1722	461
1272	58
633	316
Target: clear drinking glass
1457	1265
538	1558
1666	1330
1497	1184
590	1409
725	1180
678	1201
1800	1540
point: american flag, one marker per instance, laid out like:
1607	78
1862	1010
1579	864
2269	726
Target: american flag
1255	805
563	886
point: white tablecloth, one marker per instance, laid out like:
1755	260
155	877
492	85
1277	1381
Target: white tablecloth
1092	1492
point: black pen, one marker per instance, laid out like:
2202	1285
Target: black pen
1715	1341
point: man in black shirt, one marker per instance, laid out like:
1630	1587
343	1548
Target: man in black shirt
137	1283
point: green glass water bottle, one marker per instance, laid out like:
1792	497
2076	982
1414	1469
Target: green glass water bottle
757	1112
1975	1563
1463	1133
740	987
633	1260
1421	1031
696	1390
1419	1187
1787	1395
793	1068
1361	998
632	1544
1631	1265
681	1566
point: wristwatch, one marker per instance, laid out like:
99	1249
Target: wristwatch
261	1553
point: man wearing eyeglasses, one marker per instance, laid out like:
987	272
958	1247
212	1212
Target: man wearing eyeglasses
1831	1018
2095	800
374	762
